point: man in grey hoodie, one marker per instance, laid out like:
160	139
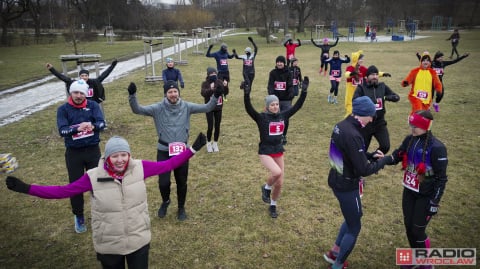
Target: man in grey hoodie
172	121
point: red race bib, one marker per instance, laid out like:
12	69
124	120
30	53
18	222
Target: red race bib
176	148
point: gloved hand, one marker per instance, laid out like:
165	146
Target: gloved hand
386	75
305	83
17	185
392	98
115	61
404	83
250	39
346	56
432	209
218	92
298	40
182	85
234	51
353	73
199	142
132	88
210	47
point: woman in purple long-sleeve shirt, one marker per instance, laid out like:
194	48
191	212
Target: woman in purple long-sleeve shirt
120	219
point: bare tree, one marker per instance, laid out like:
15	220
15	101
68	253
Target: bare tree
304	11
11	10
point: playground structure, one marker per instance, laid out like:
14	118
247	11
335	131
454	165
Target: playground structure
437	23
351	31
148	44
197	35
80	60
319	31
177	47
109	34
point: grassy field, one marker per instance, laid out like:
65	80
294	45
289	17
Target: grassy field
228	225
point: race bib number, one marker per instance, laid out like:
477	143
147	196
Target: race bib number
89	92
439	71
276	128
81	135
379	104
176	148
280	86
357	82
220	101
295	81
223	62
248	62
335	73
421	94
410	181
325	55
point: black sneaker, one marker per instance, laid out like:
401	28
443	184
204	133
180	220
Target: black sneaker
181	215
162	211
266	194
273	211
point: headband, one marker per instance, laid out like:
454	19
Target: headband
419	121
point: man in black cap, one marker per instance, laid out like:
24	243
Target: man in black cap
350	162
378	92
172	120
280	83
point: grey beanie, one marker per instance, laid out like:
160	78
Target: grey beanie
269	99
116	144
371	70
363	106
211	70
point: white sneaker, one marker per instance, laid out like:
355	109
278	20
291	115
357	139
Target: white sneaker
215	146
209	147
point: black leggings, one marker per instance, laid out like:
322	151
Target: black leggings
334	88
380	132
415	207
214	118
164	183
135	260
78	161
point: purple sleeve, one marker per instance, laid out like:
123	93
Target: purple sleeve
79	186
151	168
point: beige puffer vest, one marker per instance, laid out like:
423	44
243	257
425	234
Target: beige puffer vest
120	220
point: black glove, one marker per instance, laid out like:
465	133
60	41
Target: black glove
404	83
392	98
17	185
298	40
305	83
432	209
199	142
250	39
115	61
234	51
386	75
132	88
182	85
218	91
354	73
210	47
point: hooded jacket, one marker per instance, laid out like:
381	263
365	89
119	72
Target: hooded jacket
172	121
423	81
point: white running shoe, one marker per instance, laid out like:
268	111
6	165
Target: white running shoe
209	147
215	146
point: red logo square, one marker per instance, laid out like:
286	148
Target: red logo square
404	256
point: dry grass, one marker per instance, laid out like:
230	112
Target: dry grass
228	225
